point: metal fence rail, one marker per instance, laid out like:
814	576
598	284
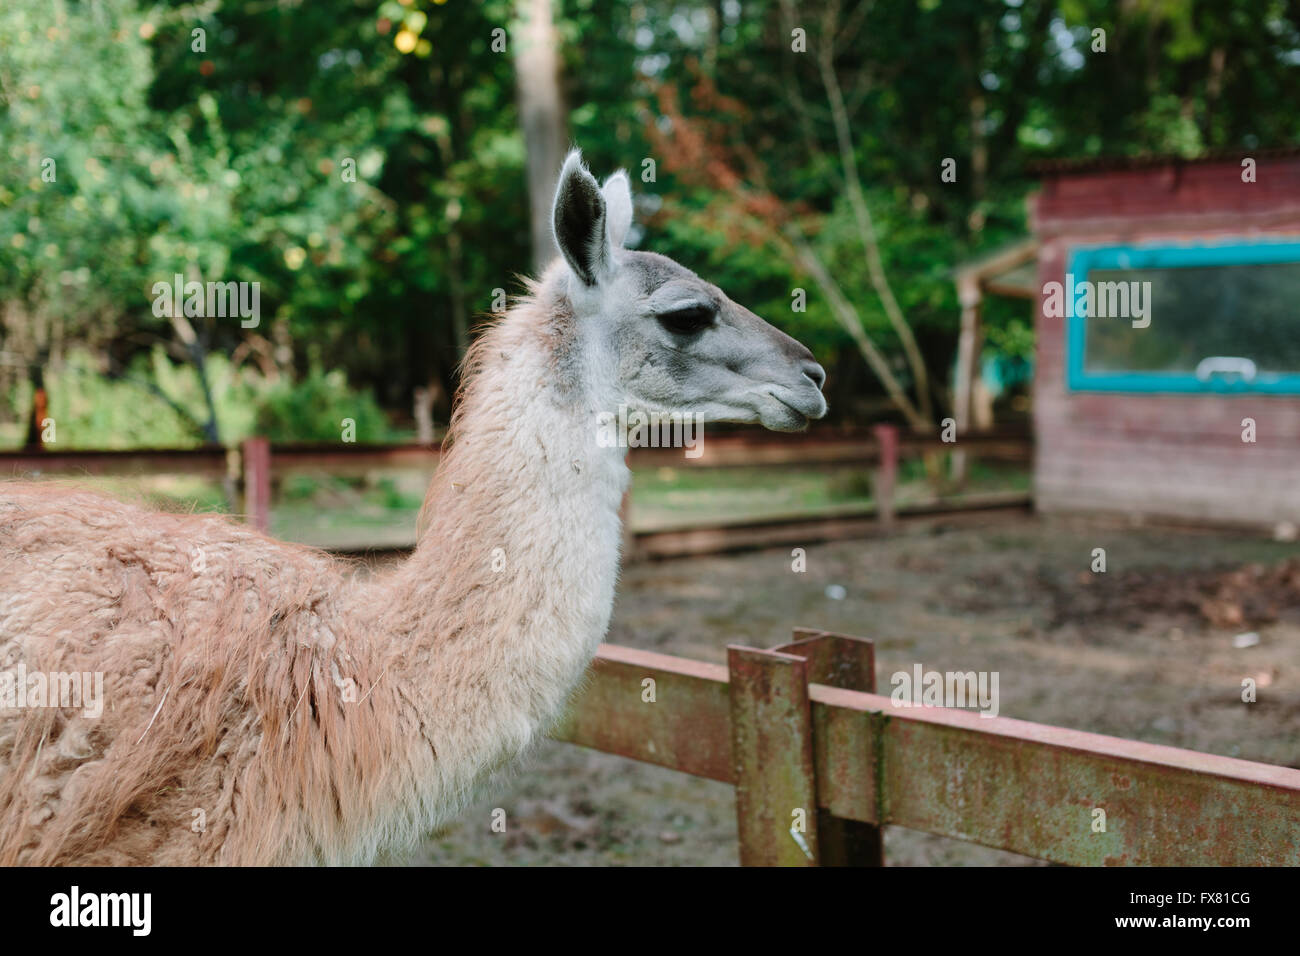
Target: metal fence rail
819	762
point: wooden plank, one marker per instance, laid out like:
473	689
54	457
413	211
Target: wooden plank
353	459
685	726
729	451
210	460
772	758
803	530
846	786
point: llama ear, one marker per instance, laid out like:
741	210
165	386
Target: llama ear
618	206
579	221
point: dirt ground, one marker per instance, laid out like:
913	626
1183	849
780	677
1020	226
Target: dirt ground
1155	649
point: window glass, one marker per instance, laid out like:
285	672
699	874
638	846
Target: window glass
1239	311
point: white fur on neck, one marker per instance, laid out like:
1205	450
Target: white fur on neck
498	652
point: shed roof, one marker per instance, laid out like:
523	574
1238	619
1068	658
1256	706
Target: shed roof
1100	164
1010	270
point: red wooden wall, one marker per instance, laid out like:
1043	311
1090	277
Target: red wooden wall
1169	456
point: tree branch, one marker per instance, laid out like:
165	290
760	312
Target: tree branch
862	214
798	248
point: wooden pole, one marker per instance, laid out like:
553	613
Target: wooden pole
541	117
849	663
772	758
257	483
783	813
886	473
970	296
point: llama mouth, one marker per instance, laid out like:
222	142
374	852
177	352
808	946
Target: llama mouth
815	408
792	419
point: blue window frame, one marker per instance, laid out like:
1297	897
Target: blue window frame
1221	317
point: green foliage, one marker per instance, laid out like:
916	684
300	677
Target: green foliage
74	203
315	409
234	162
1013	337
92	410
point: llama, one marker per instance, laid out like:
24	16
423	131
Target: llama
263	706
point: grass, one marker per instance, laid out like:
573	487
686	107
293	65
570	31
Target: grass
679	497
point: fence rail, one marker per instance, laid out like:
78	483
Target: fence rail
855	446
212	460
253	465
817	528
820	761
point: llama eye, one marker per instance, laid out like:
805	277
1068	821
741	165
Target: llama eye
686	321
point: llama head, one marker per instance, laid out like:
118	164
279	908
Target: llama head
655	336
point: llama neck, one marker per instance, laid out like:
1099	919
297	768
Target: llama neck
492	622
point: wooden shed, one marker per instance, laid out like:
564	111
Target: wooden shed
1167	298
1167	379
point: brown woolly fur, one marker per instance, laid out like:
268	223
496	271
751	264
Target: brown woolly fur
222	653
262	705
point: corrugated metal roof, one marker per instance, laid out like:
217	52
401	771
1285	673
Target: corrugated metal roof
1099	164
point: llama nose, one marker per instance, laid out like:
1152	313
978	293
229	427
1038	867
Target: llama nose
815	373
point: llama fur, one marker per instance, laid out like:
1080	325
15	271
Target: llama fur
454	666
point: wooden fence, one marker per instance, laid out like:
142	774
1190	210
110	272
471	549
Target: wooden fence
820	762
256	462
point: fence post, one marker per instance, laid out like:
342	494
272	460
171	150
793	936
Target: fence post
887	473
772	757
779	815
849	663
970	295
256	453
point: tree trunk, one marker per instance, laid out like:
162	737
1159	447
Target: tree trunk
423	410
541	115
40	409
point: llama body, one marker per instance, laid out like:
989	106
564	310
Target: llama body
457	659
261	704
